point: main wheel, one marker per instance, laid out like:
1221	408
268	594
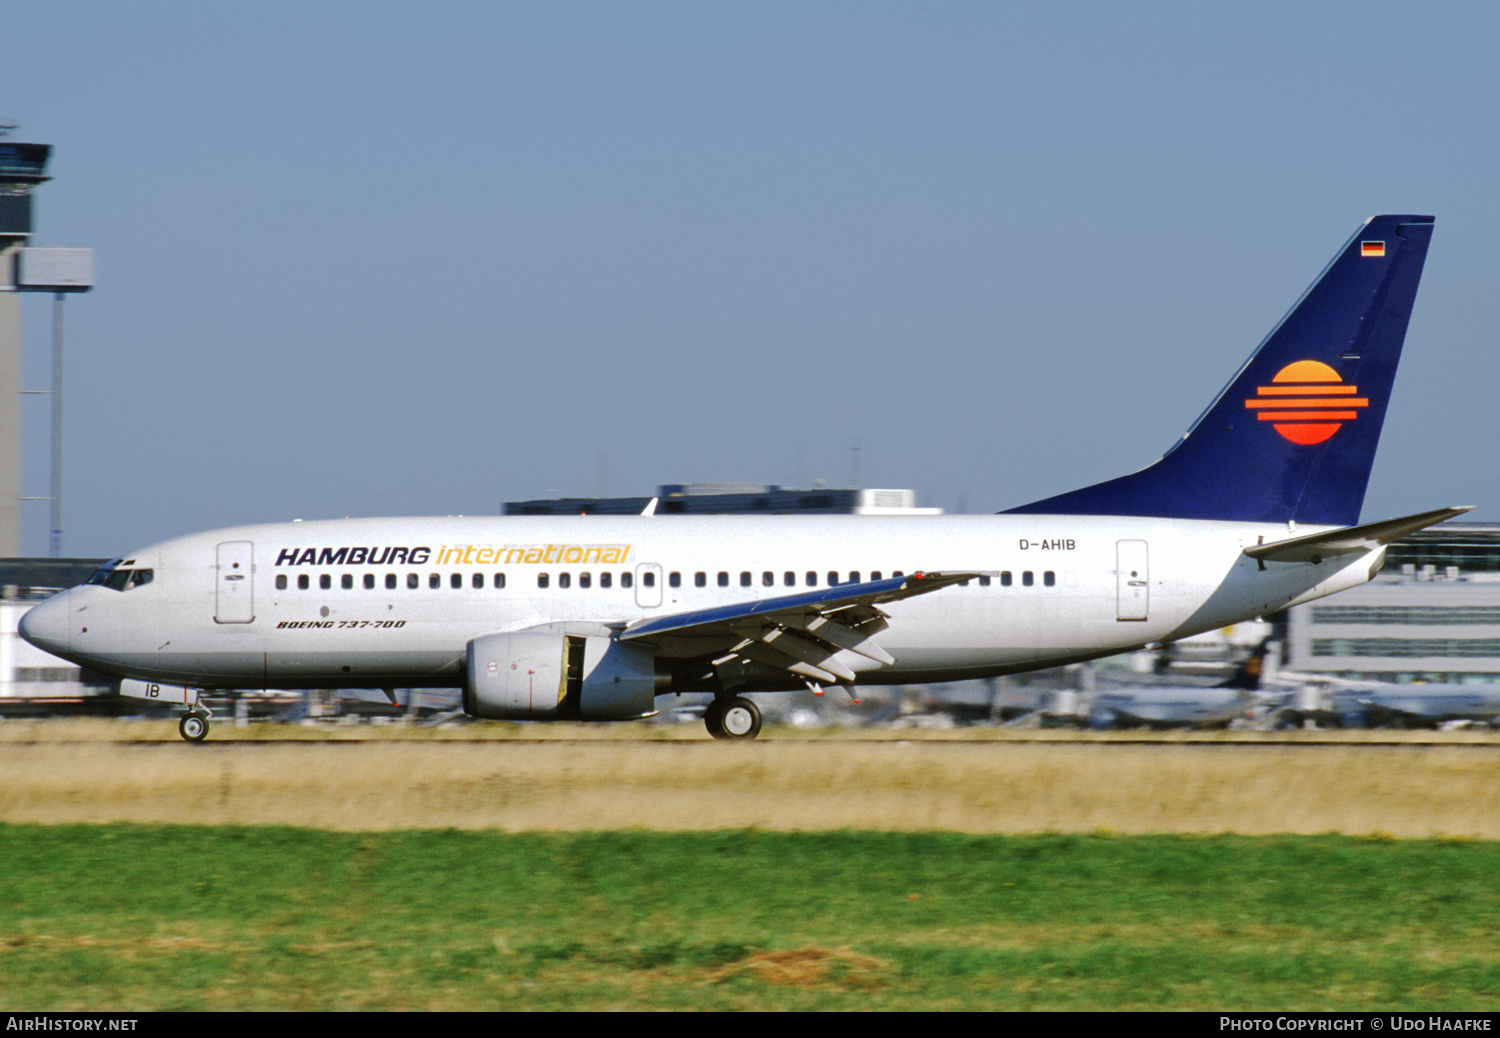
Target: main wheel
740	719
713	719
193	728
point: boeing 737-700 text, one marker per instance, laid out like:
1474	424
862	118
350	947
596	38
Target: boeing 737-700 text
593	617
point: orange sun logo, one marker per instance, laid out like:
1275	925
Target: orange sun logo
1307	401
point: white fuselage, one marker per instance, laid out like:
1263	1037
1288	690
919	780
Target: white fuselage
335	604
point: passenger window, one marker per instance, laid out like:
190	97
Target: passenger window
390	581
897	573
854	577
584	580
1026	579
565	580
768	579
606	579
477	582
325	581
675	579
744	578
723	579
874	574
833	578
434	580
1049	578
541	580
627	579
789	578
413	581
281	582
648	578
1005	578
499	581
302	582
700	579
369	582
984	581
812	579
456	581
347	581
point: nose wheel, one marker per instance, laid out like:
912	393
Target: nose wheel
193	727
736	718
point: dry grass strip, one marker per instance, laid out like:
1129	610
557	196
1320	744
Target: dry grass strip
980	787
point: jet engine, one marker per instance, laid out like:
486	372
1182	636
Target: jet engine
555	676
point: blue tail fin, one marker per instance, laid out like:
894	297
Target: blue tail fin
1293	435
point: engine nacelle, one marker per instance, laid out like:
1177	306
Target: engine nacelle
554	676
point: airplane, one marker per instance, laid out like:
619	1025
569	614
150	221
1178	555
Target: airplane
1418	706
1183	706
1356	704
593	617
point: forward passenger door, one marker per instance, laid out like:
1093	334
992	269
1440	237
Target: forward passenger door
234	579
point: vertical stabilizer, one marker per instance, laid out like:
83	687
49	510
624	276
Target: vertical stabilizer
1293	435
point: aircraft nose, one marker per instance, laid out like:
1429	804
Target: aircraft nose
47	625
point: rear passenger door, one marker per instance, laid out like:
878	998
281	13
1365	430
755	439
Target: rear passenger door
1132	580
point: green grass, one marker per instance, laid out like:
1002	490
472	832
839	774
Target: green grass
140	918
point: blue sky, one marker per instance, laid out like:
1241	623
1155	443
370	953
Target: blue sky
394	258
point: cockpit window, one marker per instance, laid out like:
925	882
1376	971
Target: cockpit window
121	579
102	574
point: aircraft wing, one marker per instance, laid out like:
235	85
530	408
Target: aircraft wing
800	633
1351	540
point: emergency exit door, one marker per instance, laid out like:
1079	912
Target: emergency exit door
647	585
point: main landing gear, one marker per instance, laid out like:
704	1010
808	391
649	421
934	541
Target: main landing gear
732	718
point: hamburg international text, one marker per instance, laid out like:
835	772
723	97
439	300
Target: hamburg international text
1256	508
457	554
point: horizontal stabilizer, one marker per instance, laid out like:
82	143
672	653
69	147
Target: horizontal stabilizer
1352	540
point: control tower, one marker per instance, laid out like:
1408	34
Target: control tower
22	168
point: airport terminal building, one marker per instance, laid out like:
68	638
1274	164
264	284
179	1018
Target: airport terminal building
1433	614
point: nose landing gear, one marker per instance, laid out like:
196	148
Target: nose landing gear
194	725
